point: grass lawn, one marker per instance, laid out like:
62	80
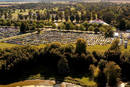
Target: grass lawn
104	48
123	50
6	45
98	48
89	48
84	81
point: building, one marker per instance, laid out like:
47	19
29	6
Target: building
98	21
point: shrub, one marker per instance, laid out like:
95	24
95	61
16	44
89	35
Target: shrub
98	55
91	28
92	71
112	72
69	26
112	55
82	27
53	26
81	46
61	26
69	48
63	67
115	45
109	32
102	64
125	64
54	45
90	59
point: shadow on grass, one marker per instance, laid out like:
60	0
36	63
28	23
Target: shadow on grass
46	73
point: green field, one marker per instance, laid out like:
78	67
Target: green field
6	45
89	48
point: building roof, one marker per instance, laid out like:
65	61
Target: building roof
98	21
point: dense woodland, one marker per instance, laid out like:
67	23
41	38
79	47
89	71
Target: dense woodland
116	15
56	59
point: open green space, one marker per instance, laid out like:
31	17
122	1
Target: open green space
6	45
92	48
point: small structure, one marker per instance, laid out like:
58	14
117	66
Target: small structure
98	21
116	34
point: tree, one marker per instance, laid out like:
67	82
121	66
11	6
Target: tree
69	48
101	80
69	26
92	69
96	30
30	13
127	25
83	18
112	72
9	22
82	27
67	12
109	32
38	15
33	28
23	27
60	14
72	18
102	64
108	16
38	31
54	26
125	64
115	45
53	18
56	18
91	28
114	52
54	45
63	66
20	16
102	29
77	18
66	18
86	25
48	15
122	24
81	46
62	26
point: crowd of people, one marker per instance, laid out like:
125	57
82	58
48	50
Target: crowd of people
8	32
63	37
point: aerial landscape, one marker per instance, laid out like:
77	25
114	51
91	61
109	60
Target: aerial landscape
64	43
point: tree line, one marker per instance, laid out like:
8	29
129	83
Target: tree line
114	14
62	60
